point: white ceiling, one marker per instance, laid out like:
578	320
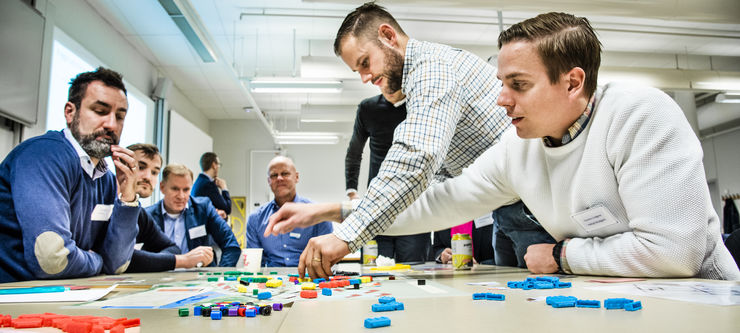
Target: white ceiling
658	40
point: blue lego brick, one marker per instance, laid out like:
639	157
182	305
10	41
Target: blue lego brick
264	295
633	306
563	285
251	312
229	278
530	279
317	281
528	285
384	307
354	281
377	322
196	310
553	299
398	305
616	303
495	297
326	291
588	303
543	285
478	296
564	304
216	315
513	284
386	299
551	279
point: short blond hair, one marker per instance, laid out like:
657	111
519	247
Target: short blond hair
177	170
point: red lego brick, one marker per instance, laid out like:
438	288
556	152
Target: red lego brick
27	322
308	293
117	329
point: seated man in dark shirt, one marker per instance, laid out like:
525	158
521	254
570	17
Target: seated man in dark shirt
158	253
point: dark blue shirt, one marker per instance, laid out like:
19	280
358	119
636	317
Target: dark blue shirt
376	119
205	187
282	250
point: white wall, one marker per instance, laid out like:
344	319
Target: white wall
321	167
187	143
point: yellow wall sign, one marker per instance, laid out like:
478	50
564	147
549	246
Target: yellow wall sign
238	219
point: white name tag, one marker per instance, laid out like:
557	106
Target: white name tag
295	235
594	218
198	231
483	221
102	213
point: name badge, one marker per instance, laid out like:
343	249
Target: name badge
102	213
295	235
594	218
483	221
197	232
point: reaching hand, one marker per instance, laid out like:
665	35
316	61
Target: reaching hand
301	215
126	167
222	213
539	259
200	254
446	255
320	254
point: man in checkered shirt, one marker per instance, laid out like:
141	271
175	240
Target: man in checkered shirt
452	119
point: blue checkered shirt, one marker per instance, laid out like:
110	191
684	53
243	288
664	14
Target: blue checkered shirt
452	118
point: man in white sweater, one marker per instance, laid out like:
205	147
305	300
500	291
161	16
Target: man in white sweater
615	175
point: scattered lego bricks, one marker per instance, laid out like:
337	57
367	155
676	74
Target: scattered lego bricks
540	282
387	303
489	296
70	324
234	309
609	303
377	322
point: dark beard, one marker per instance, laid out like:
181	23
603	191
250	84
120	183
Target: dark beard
94	148
393	69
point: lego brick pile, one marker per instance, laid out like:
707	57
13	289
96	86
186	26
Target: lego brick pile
70	324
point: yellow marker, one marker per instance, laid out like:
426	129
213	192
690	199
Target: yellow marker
308	286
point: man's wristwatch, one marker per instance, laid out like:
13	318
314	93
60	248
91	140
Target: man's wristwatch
556	251
134	203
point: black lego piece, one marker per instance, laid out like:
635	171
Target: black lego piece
421	282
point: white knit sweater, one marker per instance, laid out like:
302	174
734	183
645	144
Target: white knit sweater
638	158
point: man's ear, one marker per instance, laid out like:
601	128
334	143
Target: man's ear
69	112
576	79
297	177
387	35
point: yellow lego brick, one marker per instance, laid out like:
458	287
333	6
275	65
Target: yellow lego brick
242	289
365	279
308	286
274	283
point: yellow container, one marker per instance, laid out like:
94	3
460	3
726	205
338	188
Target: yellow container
462	251
369	252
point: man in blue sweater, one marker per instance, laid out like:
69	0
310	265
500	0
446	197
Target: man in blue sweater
208	184
60	216
191	222
157	252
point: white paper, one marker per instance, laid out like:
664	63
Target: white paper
695	292
86	295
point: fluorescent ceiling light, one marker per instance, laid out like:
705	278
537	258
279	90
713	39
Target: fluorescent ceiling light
318	121
295	86
306	138
186	18
717	85
729	97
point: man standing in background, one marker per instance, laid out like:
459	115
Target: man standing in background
377	118
209	185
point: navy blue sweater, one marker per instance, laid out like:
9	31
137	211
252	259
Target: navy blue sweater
157	252
47	229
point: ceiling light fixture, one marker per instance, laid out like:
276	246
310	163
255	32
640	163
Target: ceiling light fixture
318	121
306	138
187	19
728	97
295	86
